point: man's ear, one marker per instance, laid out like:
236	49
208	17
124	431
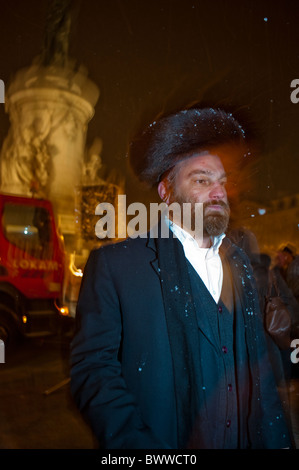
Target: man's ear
163	190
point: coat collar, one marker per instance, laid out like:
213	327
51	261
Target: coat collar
227	248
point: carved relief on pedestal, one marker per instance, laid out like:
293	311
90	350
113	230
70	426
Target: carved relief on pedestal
49	104
44	150
26	152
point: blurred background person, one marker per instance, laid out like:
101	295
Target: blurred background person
262	265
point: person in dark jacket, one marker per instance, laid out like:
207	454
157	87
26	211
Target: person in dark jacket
170	350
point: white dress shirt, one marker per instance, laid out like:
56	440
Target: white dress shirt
205	261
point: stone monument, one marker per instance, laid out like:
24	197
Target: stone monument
50	104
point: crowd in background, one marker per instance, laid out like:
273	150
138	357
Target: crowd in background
284	266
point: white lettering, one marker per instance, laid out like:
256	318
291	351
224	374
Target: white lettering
2	352
295	353
140	220
43	265
121	216
110	460
2	92
165	459
50	266
109	219
33	264
191	219
24	264
156	209
295	93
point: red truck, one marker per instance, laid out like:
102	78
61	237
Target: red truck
32	263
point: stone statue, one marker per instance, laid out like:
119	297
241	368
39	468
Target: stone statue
50	104
27	150
56	41
93	164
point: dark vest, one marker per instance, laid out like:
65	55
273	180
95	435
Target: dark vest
216	323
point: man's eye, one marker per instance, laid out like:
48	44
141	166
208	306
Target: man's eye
201	181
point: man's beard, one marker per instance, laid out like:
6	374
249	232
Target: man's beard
213	224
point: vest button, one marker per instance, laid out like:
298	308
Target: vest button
228	423
220	309
229	387
224	349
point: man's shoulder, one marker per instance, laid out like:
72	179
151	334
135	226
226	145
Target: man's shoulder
124	247
231	248
235	252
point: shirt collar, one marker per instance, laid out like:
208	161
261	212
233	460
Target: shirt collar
186	237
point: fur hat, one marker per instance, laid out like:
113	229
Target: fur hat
289	248
178	136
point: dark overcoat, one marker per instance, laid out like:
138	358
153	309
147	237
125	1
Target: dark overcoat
121	365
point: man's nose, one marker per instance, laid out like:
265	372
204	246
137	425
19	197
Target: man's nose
217	191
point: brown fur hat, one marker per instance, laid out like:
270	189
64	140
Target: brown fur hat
178	136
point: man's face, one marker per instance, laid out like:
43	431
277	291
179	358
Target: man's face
202	179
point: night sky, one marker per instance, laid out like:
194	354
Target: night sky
153	56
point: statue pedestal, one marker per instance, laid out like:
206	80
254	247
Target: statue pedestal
43	154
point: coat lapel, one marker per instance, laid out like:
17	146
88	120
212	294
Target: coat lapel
205	324
152	246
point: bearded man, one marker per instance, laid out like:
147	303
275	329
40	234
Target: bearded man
170	351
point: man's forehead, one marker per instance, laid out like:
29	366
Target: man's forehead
207	172
206	162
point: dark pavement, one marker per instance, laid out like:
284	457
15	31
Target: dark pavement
33	414
36	407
